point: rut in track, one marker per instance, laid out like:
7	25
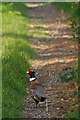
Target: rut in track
55	53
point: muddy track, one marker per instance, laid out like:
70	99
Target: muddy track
55	53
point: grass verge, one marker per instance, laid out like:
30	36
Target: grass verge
17	52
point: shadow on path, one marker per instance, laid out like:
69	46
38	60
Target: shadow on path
55	53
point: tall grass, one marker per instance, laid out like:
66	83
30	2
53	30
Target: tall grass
17	52
18	28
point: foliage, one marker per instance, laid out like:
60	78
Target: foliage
18	8
72	75
65	6
73	115
17	52
75	21
73	10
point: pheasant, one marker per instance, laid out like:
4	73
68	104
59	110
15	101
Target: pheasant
36	89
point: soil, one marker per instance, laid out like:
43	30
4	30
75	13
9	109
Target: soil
57	54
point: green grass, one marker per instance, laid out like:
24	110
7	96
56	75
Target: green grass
67	7
73	115
17	54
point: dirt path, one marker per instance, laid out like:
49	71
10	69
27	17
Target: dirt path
55	53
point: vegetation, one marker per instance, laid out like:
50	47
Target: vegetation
72	75
72	9
74	18
17	52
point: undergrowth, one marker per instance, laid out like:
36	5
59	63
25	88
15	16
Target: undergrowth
72	9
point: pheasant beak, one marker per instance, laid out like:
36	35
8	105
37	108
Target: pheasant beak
27	72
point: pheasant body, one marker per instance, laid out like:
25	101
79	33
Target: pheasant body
36	89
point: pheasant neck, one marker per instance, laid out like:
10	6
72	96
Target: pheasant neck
32	79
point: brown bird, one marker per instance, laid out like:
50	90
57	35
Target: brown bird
36	89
